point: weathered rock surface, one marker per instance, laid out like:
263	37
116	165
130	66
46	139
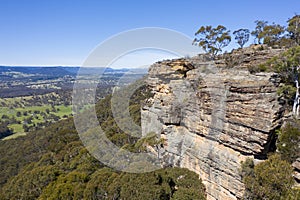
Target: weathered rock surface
212	119
296	174
248	57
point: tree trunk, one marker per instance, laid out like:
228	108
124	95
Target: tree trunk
297	99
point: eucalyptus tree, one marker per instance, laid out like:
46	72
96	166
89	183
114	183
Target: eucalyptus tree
212	40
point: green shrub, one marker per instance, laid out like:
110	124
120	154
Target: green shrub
289	143
258	68
268	180
287	92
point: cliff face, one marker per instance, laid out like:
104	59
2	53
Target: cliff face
212	118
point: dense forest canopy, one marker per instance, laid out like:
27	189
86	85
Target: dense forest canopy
53	164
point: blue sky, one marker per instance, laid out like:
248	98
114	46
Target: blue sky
64	32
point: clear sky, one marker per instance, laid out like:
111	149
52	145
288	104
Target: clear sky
64	32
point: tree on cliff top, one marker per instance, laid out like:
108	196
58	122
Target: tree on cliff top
212	40
269	34
272	34
258	32
242	36
294	28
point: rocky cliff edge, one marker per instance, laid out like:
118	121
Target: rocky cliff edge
213	116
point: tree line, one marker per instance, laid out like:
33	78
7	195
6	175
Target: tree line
214	39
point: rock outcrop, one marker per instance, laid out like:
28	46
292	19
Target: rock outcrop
296	174
212	119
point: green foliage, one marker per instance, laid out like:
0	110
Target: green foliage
258	32
99	186
17	153
287	92
288	143
268	33
53	164
247	168
70	186
212	40
286	64
142	186
33	117
294	28
294	194
242	36
187	194
150	140
258	68
272	34
285	42
29	183
164	184
4	130
107	119
269	180
184	184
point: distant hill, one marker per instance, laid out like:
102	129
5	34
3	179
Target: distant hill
46	71
60	71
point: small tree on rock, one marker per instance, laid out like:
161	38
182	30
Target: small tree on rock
212	40
242	36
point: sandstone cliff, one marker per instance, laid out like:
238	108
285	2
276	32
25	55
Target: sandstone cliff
213	116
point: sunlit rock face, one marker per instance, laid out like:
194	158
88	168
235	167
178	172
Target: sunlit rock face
212	117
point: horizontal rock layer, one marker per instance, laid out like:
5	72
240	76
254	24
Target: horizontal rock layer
296	174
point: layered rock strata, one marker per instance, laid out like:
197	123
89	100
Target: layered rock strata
212	118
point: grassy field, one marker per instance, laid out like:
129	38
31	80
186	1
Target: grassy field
12	112
23	114
32	115
14	100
